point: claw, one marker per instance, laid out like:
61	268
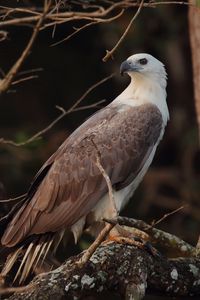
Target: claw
150	249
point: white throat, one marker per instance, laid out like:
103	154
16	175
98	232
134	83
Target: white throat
146	89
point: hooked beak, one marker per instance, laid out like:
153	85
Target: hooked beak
128	67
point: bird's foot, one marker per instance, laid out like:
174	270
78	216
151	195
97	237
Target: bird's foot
133	237
134	241
125	241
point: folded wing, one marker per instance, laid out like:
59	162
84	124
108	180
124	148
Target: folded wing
70	183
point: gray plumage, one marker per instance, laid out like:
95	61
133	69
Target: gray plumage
124	137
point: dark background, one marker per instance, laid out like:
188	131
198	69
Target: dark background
69	69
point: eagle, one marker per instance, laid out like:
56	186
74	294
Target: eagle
70	193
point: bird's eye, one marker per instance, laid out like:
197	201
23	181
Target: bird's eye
143	61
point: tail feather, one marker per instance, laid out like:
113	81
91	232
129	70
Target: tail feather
21	276
24	260
38	259
34	254
12	258
35	257
46	251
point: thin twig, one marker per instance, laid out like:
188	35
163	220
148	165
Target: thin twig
154	223
71	15
88	253
94	105
25	72
77	30
13	199
94	86
6	82
73	108
39	134
107	179
109	53
24	79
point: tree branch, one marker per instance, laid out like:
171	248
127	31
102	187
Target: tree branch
159	237
95	22
134	270
6	82
64	113
111	52
34	13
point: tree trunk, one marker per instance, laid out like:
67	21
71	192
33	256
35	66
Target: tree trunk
194	32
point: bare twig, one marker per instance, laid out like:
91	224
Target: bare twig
25	72
77	30
106	177
94	86
13	199
6	82
39	134
154	223
109	53
65	16
24	79
73	108
68	15
88	253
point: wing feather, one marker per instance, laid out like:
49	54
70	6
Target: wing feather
73	184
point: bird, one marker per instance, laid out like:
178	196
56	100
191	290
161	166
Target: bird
70	193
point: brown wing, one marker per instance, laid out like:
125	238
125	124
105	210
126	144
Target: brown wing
71	183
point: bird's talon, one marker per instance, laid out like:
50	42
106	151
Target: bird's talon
137	239
150	249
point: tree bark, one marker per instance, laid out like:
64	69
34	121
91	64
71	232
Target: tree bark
121	269
194	32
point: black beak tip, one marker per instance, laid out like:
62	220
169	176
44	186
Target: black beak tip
124	68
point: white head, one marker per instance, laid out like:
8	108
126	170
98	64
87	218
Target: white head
148	82
143	65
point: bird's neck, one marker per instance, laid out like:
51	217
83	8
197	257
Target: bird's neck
142	90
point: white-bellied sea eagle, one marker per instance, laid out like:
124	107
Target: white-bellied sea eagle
69	193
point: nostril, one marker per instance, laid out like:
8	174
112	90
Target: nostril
129	62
